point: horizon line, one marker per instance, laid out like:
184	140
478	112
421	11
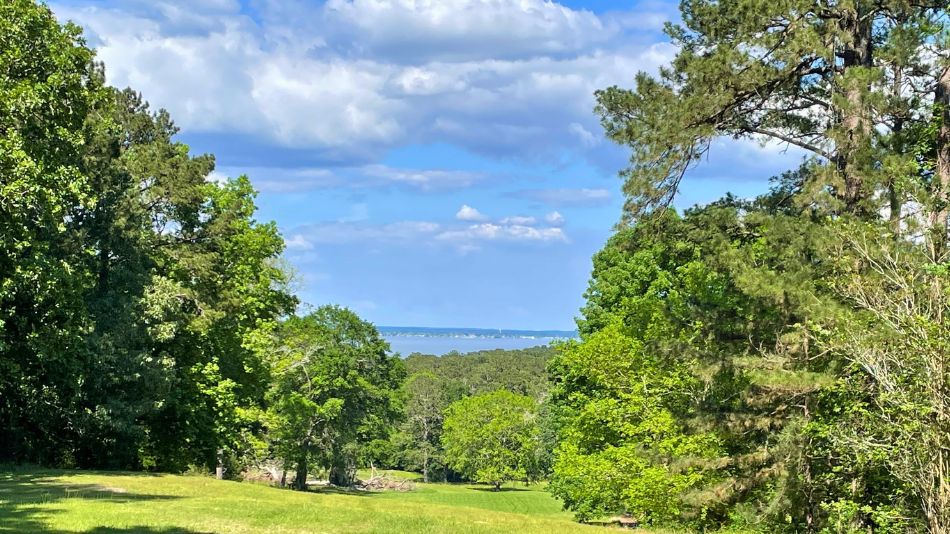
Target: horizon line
487	329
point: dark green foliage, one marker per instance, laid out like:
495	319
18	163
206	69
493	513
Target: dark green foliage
427	398
136	297
801	332
46	91
519	371
625	437
186	284
336	388
194	281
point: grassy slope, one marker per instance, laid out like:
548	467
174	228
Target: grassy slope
515	498
112	503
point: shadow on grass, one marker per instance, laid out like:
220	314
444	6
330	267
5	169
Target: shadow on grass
142	530
336	490
25	496
489	489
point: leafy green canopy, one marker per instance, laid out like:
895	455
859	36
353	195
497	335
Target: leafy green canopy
801	332
200	286
335	388
804	351
681	400
519	371
493	438
419	442
46	92
620	449
136	297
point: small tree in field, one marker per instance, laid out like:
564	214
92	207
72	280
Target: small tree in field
492	438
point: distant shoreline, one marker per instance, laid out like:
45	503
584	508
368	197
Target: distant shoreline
421	331
441	341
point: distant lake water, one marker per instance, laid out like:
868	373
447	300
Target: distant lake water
406	345
439	341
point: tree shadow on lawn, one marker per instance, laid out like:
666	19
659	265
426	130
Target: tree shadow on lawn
489	489
23	495
336	490
142	530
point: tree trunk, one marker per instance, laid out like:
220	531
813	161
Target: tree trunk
894	207
941	208
425	465
300	479
342	470
425	452
895	203
857	52
341	476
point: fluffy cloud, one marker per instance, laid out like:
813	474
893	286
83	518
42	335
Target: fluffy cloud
423	179
354	78
466	29
584	135
468	213
298	242
465	238
217	177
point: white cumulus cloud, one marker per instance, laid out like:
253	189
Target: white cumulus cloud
352	79
464	29
468	213
345	232
300	179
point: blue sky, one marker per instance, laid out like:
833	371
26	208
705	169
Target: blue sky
429	162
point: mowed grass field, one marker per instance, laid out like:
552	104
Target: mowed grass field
110	503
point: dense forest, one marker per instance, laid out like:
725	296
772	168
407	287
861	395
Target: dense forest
778	363
774	364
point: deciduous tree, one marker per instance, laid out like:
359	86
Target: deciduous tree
335	386
492	438
47	88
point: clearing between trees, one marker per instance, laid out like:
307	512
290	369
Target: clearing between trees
57	501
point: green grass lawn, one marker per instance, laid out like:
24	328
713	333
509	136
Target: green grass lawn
112	503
